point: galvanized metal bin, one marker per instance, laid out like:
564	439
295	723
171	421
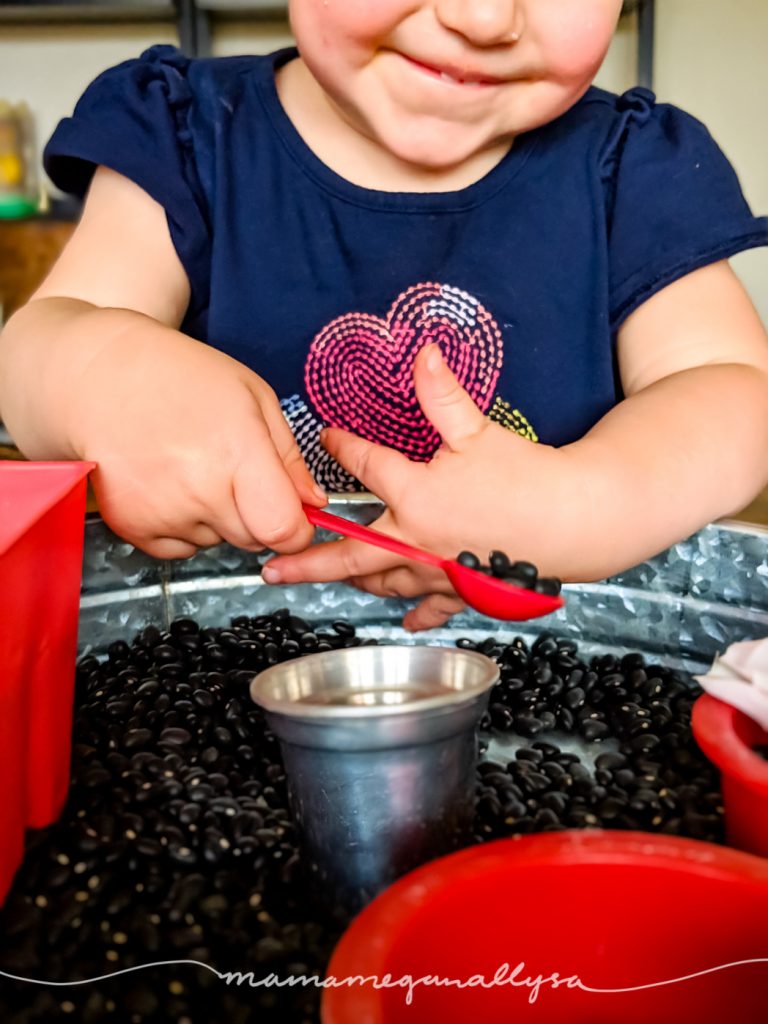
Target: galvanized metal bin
682	606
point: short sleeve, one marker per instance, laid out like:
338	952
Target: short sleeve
675	202
133	119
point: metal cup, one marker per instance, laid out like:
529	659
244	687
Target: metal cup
379	750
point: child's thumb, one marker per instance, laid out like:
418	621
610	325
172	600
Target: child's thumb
444	401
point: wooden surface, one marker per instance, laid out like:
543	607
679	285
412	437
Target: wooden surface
757	511
28	249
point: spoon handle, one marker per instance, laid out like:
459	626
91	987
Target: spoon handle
318	517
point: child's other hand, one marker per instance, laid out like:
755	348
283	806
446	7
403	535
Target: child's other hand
484	484
192	448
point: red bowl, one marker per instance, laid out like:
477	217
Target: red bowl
627	927
728	738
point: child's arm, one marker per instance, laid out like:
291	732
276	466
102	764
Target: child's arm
191	446
688	444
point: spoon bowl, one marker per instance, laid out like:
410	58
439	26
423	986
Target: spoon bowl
486	594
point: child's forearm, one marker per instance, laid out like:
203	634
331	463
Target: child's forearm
45	348
687	450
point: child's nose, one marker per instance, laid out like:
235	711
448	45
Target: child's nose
482	22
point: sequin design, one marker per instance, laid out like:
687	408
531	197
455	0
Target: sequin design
359	376
323	467
359	370
511	419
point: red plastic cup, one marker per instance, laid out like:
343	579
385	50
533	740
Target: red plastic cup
619	917
728	738
42	515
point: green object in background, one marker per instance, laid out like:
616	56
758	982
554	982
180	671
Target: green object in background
14	207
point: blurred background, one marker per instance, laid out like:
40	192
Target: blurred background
706	56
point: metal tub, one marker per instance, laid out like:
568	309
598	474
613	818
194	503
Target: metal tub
681	607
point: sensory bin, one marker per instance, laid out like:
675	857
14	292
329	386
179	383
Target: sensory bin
176	842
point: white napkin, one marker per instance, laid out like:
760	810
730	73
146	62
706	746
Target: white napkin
740	678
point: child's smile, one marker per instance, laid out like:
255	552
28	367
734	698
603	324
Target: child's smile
452	74
429	94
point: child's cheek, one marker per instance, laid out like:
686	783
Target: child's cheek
362	20
576	45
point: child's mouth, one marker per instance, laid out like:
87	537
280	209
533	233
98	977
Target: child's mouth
453	75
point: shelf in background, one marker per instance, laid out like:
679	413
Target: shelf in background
48	11
133	10
243	7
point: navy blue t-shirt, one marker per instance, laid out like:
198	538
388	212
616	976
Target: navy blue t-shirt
328	290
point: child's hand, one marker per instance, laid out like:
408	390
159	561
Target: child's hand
192	448
653	470
482	481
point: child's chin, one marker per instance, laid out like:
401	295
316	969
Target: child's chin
436	153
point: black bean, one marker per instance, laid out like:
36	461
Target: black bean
499	563
624	777
574	698
594	730
524	573
464	643
645	742
555	800
175	736
501	717
555	771
222	736
549	585
219	800
527	725
529	754
201	793
137	738
183	855
468	560
546	817
148	847
489	807
610	759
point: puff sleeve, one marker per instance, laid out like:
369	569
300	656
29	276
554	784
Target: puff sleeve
133	119
675	202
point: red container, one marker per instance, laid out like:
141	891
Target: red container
728	738
42	514
619	917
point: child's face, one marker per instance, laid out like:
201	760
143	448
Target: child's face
437	81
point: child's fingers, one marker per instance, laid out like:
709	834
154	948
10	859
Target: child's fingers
444	401
335	560
165	547
434	610
267	499
288	450
383	471
407	581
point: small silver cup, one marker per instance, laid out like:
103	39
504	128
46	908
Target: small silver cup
380	750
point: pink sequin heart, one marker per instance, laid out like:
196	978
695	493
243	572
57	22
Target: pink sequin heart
359	370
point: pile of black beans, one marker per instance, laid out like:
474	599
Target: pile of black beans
520	574
176	842
644	770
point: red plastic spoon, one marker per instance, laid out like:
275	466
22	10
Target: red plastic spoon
486	594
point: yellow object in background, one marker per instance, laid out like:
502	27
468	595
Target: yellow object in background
18	172
11	170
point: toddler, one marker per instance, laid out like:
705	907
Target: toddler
420	255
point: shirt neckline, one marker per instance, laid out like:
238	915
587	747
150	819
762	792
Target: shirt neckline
461	199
